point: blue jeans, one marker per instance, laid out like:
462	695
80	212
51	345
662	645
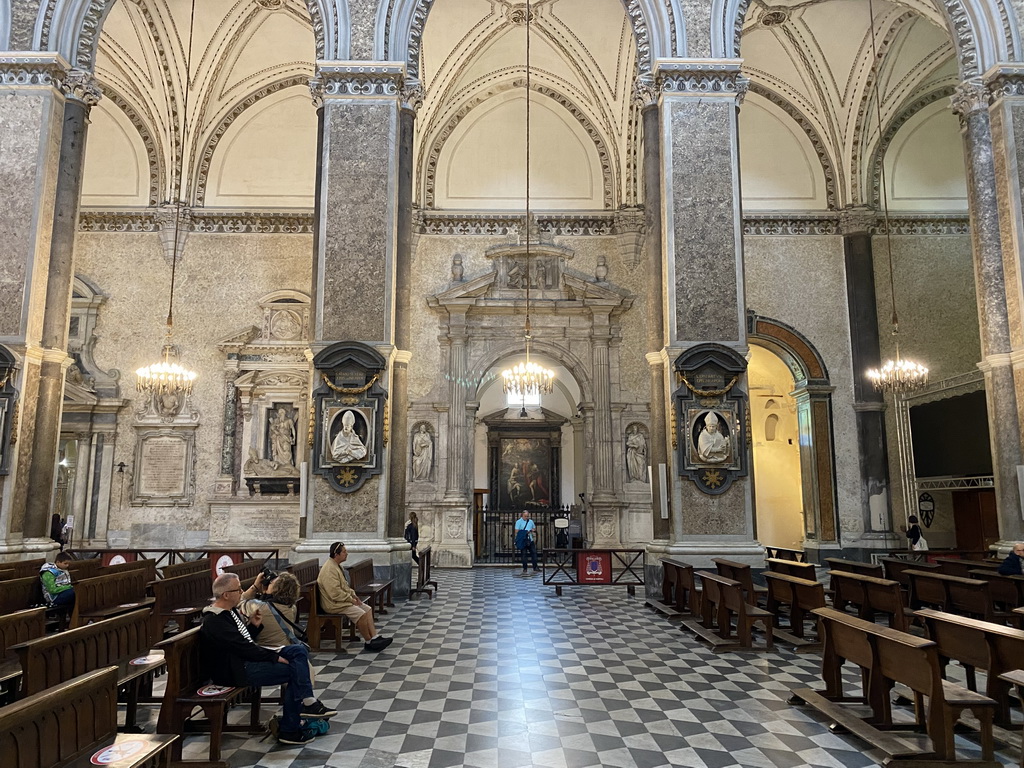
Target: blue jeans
295	673
64	599
530	547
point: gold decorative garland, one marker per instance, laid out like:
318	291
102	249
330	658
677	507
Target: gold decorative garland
349	390
709	392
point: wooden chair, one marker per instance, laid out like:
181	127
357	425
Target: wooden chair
425	583
319	620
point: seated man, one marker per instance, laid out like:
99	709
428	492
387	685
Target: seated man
1011	566
57	589
336	596
229	655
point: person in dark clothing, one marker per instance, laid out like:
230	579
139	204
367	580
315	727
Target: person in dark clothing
914	534
412	534
1013	565
229	655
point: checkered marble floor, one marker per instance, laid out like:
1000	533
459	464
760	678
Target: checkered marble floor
498	672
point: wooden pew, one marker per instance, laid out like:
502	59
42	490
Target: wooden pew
180	599
147	566
85	569
994	648
375	593
679	593
951	566
854	566
319	620
801	597
798	570
1016	679
722	599
68	724
953	594
425	584
107	596
20	569
187	689
872	596
123	642
306	574
17	627
781	553
19	594
247	569
1007	591
742	573
887	656
185	568
896	570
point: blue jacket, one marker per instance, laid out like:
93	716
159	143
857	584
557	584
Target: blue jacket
1011	566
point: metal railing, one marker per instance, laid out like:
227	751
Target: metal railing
494	532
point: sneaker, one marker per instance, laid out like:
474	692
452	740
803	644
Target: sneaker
298	738
378	644
316	711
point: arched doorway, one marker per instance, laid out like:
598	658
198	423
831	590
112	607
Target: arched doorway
775	435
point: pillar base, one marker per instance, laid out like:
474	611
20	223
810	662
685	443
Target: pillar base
29	549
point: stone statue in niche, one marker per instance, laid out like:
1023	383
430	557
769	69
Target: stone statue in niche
422	453
516	277
282	439
257	467
347	447
540	274
712	445
636	454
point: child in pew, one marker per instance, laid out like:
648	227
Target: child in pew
56	579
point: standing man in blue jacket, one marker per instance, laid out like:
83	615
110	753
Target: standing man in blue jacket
526	532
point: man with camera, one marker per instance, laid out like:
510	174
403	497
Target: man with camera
336	596
229	655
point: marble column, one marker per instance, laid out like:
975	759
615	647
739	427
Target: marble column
452	513
655	318
705	302
31	128
604	504
970	101
869	405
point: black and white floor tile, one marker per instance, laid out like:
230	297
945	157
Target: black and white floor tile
498	672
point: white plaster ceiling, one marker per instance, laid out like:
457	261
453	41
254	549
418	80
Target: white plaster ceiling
249	58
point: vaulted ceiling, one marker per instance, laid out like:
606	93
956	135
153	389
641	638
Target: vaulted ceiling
244	126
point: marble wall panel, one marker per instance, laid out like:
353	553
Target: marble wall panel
697	23
29	149
346	512
361	24
703	217
773	267
26	434
359	220
723	515
936	301
220	279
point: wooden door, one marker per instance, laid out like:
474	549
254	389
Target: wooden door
975	520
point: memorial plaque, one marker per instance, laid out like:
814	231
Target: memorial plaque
250	524
164	469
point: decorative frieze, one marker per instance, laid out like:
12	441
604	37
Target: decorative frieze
854	220
340	81
1005	81
202	221
32	69
502	224
810	224
702	76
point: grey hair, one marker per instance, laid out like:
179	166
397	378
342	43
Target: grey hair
221	584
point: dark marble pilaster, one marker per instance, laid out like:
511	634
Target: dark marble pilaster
459	436
869	405
970	101
658	445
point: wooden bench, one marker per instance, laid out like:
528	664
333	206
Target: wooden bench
721	600
319	620
17	627
1016	679
896	570
807	571
306	574
70	723
679	592
801	597
375	593
20	569
107	596
19	594
781	553
1007	591
186	568
247	569
952	594
425	583
872	596
187	689
994	648
180	599
147	566
954	566
85	569
123	642
854	566
886	657
742	573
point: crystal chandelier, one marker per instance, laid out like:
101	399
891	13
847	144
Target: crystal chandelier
527	377
166	377
898	376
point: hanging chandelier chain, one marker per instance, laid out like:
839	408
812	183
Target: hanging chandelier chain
180	169
877	68
526	228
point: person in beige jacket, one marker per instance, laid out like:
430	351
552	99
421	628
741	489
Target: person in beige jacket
336	596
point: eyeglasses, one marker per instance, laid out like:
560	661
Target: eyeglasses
229	591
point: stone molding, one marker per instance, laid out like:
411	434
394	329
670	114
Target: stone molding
348	80
583	224
33	69
1005	81
857	220
79	85
705	77
969	98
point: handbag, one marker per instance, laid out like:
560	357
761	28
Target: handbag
297	634
921	544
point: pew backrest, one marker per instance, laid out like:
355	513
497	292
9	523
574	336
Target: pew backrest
793	568
19	594
21	569
740	572
19	627
85	569
305	572
854	566
147	566
93	597
896	569
247	569
186	568
360	573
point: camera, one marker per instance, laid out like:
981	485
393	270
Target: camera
268	576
